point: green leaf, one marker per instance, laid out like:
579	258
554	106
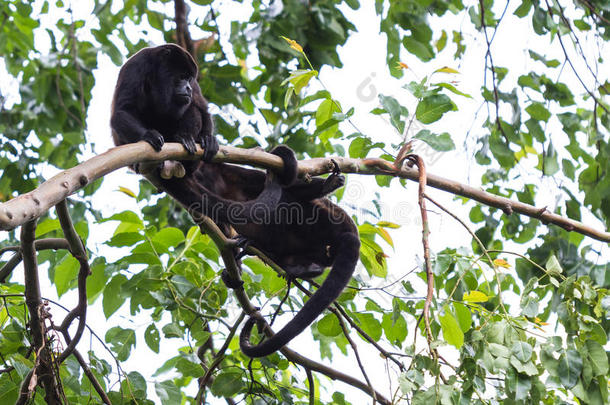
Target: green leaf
570	367
524	8
227	384
152	337
394	328
431	108
451	329
441	42
529	306
168	392
66	273
9	391
522	351
442	142
325	112
464	316
452	89
369	324
166	238
121	341
97	280
353	4
475	296
393	107
538	111
519	384
329	326
420	49
113	299
598	358
135	384
300	78
125	239
548	161
172	330
46	226
553	266
499	350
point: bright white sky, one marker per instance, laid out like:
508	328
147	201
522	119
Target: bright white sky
363	77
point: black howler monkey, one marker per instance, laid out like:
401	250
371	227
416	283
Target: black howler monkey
304	234
157	99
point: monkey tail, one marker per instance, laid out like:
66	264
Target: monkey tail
339	276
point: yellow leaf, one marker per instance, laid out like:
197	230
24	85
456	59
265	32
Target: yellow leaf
387	224
386	236
446	69
401	65
475	296
501	263
531	149
127	191
293	44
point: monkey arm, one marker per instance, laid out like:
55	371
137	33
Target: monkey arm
317	187
129	129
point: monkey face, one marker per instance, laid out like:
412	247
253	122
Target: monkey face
174	78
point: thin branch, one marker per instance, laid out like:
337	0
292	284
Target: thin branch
489	57
481	245
218	358
565	53
339	312
312	387
34	204
96	384
183	35
419	162
358	360
77	249
40	244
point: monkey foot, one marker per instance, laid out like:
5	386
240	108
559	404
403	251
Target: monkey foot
229	281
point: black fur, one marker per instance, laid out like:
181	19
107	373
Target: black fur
304	234
157	99
290	221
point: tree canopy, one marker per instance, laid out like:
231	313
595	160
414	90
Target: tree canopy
502	297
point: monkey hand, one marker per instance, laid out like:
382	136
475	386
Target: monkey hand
209	143
188	142
334	181
229	281
154	138
241	244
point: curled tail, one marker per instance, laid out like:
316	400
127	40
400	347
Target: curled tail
341	272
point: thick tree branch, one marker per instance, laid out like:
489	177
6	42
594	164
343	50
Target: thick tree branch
35	203
43	368
77	249
40	244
